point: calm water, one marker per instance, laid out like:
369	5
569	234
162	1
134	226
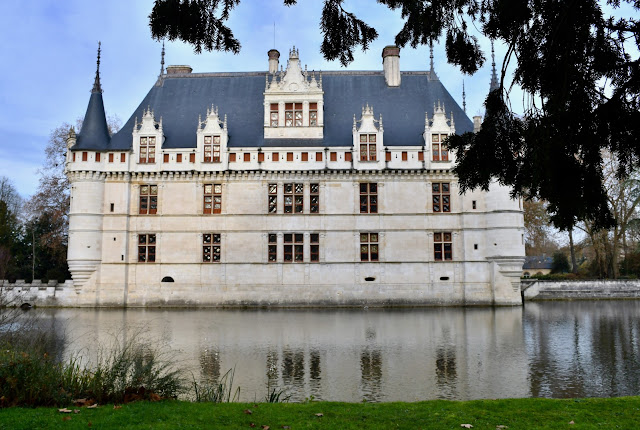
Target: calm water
564	349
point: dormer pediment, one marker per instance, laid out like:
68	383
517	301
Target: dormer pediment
368	141
294	79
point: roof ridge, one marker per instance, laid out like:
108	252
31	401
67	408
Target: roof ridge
324	73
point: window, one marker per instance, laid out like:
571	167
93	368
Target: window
232	157
110	157
97	156
314	247
147	149
192	158
247	156
260	157
368	198
212	199
211	248
318	156
74	156
212	149
404	155
368	246
289	156
273	248
273	198
420	156
439	150
305	156
387	156
347	156
165	158
274	115
314	198
84	156
333	156
441	197
148	199
293	114
313	114
123	157
293	247
146	248
293	198
179	158
111	207
275	156
442	249
473	204
368	147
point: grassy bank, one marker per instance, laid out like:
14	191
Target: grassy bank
622	413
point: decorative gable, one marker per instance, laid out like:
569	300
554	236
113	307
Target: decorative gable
147	138
368	141
212	138
435	134
293	102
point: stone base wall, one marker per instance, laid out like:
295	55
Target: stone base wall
582	290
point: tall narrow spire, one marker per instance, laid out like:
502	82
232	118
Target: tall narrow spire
464	99
96	83
432	71
494	76
162	60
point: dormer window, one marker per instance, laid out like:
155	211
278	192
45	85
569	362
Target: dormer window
148	149
438	149
368	148
212	149
274	114
293	114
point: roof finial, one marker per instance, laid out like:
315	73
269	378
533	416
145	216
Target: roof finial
431	55
464	99
162	60
96	83
494	76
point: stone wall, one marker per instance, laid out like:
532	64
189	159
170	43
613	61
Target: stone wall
582	290
35	293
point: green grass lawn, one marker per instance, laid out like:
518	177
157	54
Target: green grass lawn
616	413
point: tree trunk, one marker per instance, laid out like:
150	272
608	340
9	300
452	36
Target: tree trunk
574	265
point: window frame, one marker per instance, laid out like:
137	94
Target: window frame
272	248
148	199
211	146
295	193
293	114
368	242
443	246
272	198
211	247
147	150
439	196
147	243
368	147
212	196
314	198
293	248
368	197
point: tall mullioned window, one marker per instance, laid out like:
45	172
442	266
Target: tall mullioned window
147	149
293	247
441	197
314	198
211	243
293	114
212	149
146	248
293	198
368	246
368	198
148	200
442	246
212	199
438	148
273	198
368	151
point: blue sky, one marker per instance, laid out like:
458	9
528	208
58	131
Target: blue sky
48	58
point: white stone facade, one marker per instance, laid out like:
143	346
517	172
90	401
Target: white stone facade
359	224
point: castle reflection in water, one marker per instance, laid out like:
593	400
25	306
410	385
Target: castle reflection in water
570	349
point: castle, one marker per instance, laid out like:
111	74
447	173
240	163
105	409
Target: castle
286	188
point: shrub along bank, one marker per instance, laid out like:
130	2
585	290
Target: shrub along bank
623	413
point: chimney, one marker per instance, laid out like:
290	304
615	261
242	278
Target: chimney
477	123
391	65
274	55
178	70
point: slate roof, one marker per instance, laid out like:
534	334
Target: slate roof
181	98
94	134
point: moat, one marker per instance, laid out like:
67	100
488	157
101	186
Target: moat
551	349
